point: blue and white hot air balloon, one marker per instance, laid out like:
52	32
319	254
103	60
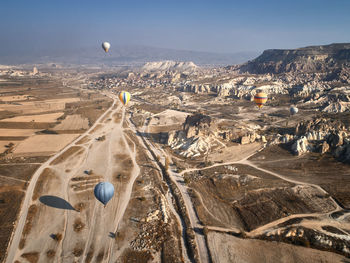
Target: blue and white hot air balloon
293	110
104	192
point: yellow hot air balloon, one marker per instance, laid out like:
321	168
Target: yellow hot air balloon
106	46
260	99
124	97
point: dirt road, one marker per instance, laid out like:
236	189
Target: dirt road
98	156
13	248
93	224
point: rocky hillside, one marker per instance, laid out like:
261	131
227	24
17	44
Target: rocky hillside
196	137
322	59
319	135
318	76
169	66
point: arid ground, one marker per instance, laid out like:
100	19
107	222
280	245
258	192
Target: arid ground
184	191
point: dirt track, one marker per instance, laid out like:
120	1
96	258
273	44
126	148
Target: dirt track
13	251
99	157
84	233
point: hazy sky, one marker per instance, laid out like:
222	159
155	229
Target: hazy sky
217	25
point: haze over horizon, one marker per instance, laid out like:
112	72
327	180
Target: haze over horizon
36	27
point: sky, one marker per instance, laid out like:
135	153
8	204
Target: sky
214	26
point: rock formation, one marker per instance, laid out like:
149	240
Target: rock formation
169	66
328	58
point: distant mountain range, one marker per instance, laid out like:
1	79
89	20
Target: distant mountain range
307	60
121	55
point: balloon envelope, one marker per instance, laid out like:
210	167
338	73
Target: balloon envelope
104	191
260	99
124	97
294	110
106	46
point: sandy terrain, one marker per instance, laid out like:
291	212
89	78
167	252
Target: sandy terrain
17	132
16	170
234	153
227	248
39	106
13	98
50	117
73	122
168	117
85	233
65	100
309	168
31	109
43	144
166	121
234	194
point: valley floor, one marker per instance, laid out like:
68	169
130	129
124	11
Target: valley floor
169	208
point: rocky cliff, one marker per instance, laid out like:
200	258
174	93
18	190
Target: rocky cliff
196	137
334	58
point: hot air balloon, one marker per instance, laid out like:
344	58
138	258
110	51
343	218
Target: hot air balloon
124	97
293	110
106	46
104	192
260	99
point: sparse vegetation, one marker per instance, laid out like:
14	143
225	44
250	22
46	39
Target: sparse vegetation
141	198
57	237
32	257
30	221
80	207
101	138
78	225
77	252
50	253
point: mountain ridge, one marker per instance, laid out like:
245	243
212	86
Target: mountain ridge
311	59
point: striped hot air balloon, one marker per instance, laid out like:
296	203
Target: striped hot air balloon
260	99
124	97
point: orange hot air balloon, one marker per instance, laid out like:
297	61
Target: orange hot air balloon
260	99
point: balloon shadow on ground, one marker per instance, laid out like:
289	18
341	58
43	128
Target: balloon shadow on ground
56	202
112	235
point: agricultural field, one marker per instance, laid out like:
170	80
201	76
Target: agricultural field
30	108
73	122
17	132
39	145
49	117
15	98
